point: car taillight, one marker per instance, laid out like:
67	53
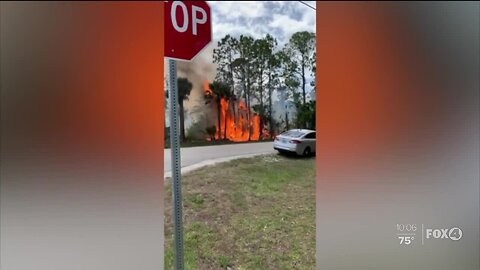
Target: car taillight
295	141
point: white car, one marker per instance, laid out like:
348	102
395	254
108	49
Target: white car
298	141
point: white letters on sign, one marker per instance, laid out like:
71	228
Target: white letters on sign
173	14
195	20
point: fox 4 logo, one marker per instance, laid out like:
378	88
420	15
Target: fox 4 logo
454	234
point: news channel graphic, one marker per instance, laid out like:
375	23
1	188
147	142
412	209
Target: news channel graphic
410	234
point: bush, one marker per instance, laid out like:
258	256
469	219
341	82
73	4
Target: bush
211	131
306	115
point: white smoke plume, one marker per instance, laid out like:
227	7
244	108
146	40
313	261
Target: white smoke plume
198	71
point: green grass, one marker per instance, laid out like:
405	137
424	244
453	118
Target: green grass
195	201
256	213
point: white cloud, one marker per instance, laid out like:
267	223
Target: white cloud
257	18
235	9
289	25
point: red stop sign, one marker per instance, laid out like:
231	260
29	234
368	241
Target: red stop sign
188	28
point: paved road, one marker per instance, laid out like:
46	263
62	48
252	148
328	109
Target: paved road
193	156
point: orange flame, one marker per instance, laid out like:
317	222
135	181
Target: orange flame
234	124
207	89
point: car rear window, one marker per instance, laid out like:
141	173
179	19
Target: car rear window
293	133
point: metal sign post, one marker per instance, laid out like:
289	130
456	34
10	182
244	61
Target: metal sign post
176	164
188	30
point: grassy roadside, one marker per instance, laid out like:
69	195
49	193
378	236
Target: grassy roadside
256	213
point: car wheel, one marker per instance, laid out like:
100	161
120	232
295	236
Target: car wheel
307	152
